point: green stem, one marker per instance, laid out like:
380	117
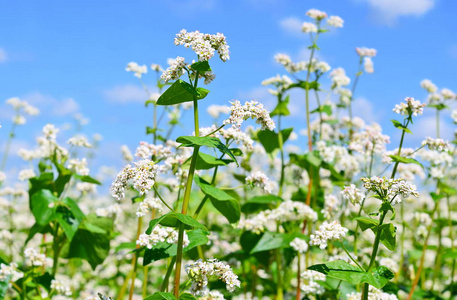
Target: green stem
281	149
202	203
164	286
8	146
394	171
438	123
350	256
279	290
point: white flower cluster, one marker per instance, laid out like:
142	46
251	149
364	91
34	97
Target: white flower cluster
126	153
204	45
79	166
156	67
213	295
34	258
143	174
389	189
308	27
363	51
216	110
411	106
331	206
310	285
335	21
148	204
371	140
428	86
9	272
332	231
109	211
137	69
48	146
60	287
299	245
19	106
287	211
175	70
339	78
200	271
280	82
79	141
374	294
316	14
161	234
436	144
239	136
353	194
339	157
259	179
151	151
447	94
26	174
250	110
368	64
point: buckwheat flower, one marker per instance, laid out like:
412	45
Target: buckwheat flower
352	194
299	245
310	285
147	151
448	94
50	131
363	51
331	206
204	45
307	27
31	110
411	106
371	140
368	64
339	78
250	110
373	294
213	295
283	59
79	141
148	204
175	70
316	14
26	174
126	154
436	144
156	67
9	272
389	189
428	86
60	287
332	231
86	187
137	69
335	21
208	76
290	210
15	102
259	179
2	176
79	166
19	120
34	258
161	234
454	115
238	137
216	110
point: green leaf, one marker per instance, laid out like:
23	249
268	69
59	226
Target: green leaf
274	240
388	236
92	240
179	92
212	142
399	125
44	182
206	161
342	270
161	296
202	93
173	219
42	206
367	223
197	237
223	202
187	296
86	178
269	139
439	106
323	109
405	160
4	284
281	108
201	66
69	216
258	203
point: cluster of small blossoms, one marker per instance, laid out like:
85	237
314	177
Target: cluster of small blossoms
414	107
161	234
200	271
363	52
339	78
308	27
79	141
156	67
60	287
447	94
335	21
316	14
148	204
339	156
299	245
238	136
216	110
368	64
374	294
332	231
213	295
175	70
148	151
26	174
250	110
388	189
282	83
428	86
259	179
435	144
34	258
331	206
137	69
310	284
353	194
20	105
204	45
369	141
79	166
9	272
143	174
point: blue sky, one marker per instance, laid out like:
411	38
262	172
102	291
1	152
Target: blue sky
69	57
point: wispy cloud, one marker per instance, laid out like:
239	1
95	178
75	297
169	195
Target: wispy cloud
51	106
3	55
452	51
128	93
388	11
291	25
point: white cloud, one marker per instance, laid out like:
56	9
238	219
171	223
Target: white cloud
66	107
425	126
364	109
388	11
3	55
128	93
291	25
48	105
452	51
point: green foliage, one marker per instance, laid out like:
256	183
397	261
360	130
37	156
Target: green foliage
274	240
400	126
161	296
180	92
269	139
212	142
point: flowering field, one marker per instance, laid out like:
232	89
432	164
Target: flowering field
247	208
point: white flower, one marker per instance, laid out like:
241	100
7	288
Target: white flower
352	194
137	69
34	258
389	189
436	144
238	136
428	86
19	120
454	115
335	21
328	232
261	180
161	234
126	154
368	64
339	78
9	270
79	141
448	94
310	286
204	45
215	110
156	67
79	166
60	287
307	27
362	51
411	106
175	70
316	14
251	109
148	204
147	151
26	174
299	245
